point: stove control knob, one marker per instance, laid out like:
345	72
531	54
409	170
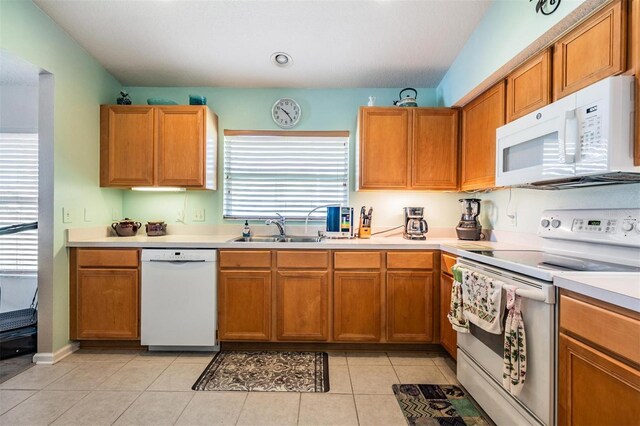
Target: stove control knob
556	223
627	226
545	223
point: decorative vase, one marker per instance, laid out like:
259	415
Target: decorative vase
123	99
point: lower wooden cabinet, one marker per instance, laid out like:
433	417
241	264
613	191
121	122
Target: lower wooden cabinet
357	306
302	305
244	305
104	295
594	388
409	306
448	336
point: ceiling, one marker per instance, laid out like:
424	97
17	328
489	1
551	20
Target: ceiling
333	43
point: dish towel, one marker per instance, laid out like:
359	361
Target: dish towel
514	371
482	301
456	317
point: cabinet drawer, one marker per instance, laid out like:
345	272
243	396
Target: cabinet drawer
302	259
606	328
245	259
410	260
446	263
357	260
108	258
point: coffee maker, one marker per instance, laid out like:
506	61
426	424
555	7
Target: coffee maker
415	227
469	227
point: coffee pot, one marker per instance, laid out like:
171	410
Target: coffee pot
415	227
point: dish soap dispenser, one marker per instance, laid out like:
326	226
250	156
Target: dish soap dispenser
246	231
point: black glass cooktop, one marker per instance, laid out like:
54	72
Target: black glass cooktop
544	260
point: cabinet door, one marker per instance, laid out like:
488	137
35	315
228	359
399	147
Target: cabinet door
356	306
594	50
410	307
108	304
384	148
480	119
181	145
529	86
434	149
126	146
448	336
244	305
595	389
301	305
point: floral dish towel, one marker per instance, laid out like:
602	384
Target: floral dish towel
456	316
482	301
515	345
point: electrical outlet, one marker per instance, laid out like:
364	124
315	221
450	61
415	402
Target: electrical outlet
180	215
514	218
87	215
67	217
197	215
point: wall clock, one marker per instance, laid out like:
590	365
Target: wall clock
286	113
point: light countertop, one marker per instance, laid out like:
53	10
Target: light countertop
618	288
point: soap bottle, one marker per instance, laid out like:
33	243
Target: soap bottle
246	231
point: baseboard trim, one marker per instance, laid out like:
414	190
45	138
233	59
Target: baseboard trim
60	354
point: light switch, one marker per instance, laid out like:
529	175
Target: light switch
67	217
87	215
198	215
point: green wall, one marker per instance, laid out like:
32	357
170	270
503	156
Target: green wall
322	109
81	85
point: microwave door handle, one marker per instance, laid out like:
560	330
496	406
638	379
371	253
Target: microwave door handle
567	132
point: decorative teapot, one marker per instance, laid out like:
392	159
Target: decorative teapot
156	228
126	227
407	101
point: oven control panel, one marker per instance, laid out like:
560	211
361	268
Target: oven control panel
614	226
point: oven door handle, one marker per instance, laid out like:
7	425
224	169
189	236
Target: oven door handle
532	294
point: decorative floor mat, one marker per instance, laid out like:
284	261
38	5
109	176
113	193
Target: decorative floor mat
438	405
266	371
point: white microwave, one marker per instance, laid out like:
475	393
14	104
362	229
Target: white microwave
586	134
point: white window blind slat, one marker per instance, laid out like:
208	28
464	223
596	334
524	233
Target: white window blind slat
289	175
18	201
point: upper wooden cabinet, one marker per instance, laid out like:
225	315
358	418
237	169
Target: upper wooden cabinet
529	86
407	148
158	146
480	119
592	51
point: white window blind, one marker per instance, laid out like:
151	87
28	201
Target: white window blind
18	201
265	174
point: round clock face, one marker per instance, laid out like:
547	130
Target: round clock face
286	113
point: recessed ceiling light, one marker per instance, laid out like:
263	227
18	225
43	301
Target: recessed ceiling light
281	59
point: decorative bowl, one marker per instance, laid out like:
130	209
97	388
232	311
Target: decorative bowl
197	100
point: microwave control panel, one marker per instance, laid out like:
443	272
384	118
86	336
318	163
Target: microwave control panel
590	129
614	226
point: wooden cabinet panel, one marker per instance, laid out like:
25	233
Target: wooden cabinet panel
595	389
434	149
107	304
357	260
410	260
302	259
529	86
594	50
245	259
301	305
480	119
126	146
244	305
108	258
606	326
410	307
448	336
384	148
446	263
357	306
181	146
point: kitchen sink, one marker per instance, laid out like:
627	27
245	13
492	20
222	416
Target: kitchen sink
276	239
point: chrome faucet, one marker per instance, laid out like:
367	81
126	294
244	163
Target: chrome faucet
280	223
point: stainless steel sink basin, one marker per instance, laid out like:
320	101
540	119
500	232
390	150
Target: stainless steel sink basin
277	239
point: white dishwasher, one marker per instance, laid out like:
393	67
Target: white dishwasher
179	293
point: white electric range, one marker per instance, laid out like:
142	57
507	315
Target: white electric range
575	240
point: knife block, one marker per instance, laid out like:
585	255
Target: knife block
365	231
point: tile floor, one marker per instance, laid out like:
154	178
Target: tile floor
141	388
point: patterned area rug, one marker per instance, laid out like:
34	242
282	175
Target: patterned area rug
437	405
266	371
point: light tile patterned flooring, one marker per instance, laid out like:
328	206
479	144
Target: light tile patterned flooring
141	388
